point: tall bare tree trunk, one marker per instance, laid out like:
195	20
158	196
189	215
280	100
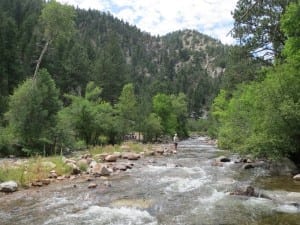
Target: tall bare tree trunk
40	59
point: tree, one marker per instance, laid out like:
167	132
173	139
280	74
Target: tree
8	62
58	23
32	111
257	26
290	26
110	70
127	109
172	111
263	117
179	108
242	68
88	117
152	128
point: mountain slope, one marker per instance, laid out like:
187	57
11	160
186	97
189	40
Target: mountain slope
112	53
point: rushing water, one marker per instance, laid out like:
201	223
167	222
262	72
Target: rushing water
179	189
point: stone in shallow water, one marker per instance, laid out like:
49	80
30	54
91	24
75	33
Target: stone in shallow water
92	185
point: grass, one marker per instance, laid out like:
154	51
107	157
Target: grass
34	169
127	146
38	168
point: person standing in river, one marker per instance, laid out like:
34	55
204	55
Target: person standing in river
175	140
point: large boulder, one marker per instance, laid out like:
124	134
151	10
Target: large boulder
131	156
100	170
111	158
9	186
283	166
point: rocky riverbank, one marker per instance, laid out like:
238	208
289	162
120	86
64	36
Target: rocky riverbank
83	166
88	167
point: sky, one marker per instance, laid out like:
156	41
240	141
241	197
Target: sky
159	17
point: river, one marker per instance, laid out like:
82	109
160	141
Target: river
181	189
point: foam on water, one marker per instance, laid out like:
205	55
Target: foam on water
288	208
106	216
214	197
188	170
155	169
181	185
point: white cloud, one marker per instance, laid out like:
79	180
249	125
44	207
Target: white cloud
159	17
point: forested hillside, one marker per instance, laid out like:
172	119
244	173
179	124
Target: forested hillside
72	78
111	53
98	76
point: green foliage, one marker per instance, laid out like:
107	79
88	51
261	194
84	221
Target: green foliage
88	117
152	128
262	118
32	112
6	141
110	70
257	26
127	109
290	25
172	111
242	68
199	126
57	21
35	169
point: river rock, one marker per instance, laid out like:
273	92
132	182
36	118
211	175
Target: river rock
53	174
120	166
100	170
133	156
82	162
111	158
8	186
248	191
75	168
160	151
101	156
222	159
46	181
130	156
247	166
92	185
297	177
37	184
283	167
